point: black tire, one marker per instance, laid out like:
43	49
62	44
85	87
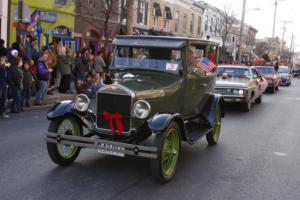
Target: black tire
213	137
53	149
157	164
246	107
258	100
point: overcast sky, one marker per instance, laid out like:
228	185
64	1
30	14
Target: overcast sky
288	10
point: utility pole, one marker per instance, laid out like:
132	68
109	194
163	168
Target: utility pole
241	32
275	15
291	48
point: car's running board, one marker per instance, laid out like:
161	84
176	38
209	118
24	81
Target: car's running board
103	146
196	133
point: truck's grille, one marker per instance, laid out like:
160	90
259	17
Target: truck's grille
223	91
113	104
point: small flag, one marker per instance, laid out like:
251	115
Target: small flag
206	65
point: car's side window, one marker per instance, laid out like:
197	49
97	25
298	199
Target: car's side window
194	57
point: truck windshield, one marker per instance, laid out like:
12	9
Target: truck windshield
266	70
147	58
233	72
283	70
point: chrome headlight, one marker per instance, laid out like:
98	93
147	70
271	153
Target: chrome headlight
241	92
141	109
82	103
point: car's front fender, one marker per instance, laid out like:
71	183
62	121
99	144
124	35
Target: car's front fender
160	122
210	108
67	108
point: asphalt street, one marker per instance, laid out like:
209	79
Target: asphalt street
258	157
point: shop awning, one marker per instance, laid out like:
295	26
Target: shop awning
168	13
157	11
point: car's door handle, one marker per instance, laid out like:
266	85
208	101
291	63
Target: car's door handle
204	84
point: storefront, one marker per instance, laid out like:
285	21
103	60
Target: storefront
47	23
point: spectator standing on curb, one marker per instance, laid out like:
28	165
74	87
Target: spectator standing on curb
3	50
27	84
52	61
99	63
16	84
65	61
43	74
3	85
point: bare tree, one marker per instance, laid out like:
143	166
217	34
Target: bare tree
226	23
100	13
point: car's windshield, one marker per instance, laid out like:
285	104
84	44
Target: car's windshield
147	58
283	70
266	70
233	72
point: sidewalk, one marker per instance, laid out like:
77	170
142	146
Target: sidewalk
51	99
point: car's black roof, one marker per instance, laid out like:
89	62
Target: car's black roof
157	41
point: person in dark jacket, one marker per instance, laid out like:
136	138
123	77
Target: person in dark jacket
3	85
3	50
43	74
27	84
16	85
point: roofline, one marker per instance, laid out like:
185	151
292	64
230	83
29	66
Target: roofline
165	37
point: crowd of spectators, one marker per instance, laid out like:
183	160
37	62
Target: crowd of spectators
28	73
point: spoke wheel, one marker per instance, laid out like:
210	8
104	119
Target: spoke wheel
169	145
59	153
213	137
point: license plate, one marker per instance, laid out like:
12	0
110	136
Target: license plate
110	149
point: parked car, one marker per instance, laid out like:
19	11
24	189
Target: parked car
285	76
159	98
240	84
271	76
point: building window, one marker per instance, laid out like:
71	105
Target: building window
216	26
61	2
192	23
211	24
176	21
167	17
142	14
184	24
156	13
206	24
199	25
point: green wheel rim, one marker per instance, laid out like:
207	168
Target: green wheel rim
68	126
217	124
170	152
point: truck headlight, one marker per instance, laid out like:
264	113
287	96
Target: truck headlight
241	92
141	109
82	103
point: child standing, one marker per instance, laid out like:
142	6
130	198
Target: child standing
28	83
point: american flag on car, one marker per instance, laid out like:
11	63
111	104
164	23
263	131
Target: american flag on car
206	65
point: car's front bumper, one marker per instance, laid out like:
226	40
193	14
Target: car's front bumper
235	99
103	146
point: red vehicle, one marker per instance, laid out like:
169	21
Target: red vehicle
271	76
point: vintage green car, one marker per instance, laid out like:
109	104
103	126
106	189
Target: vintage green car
159	98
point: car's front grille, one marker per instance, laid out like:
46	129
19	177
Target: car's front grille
223	91
112	105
